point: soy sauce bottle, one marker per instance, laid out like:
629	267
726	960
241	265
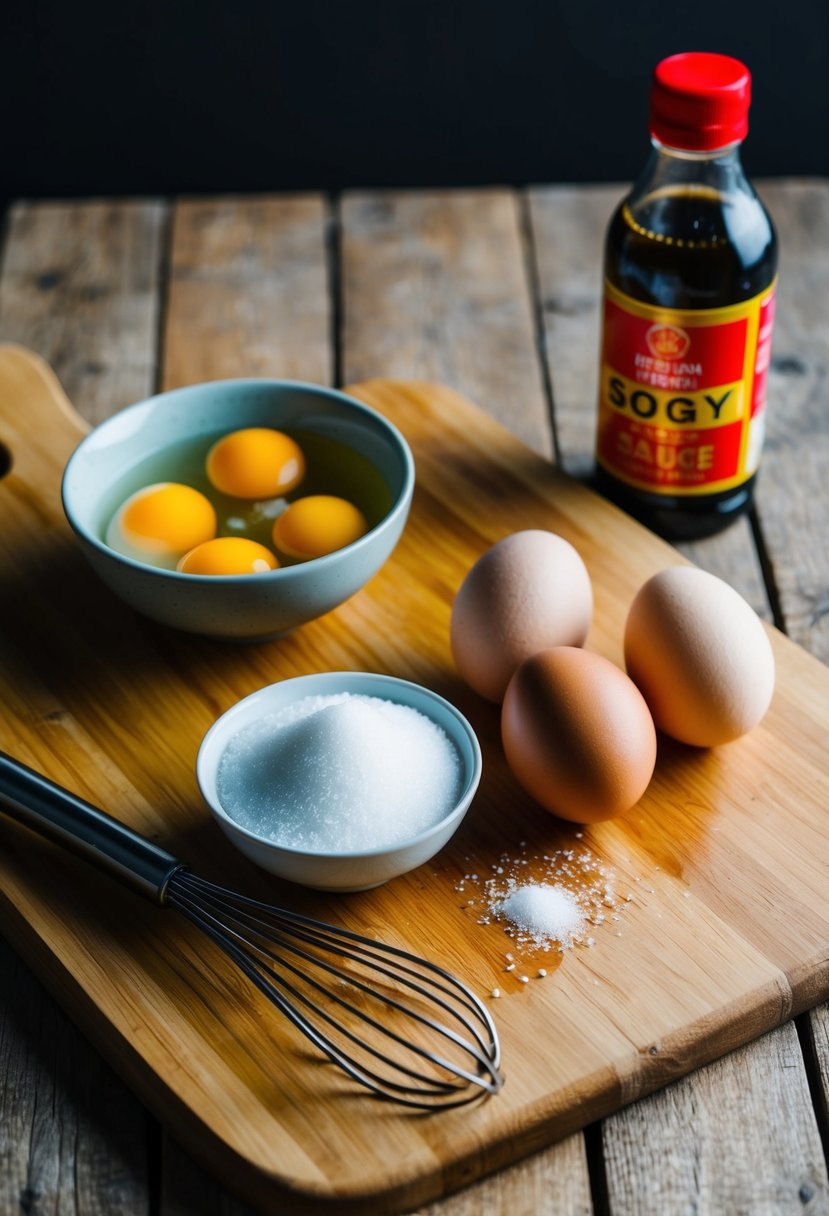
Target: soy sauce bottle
690	272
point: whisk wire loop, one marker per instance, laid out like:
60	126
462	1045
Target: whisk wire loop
317	932
444	1031
401	975
274	985
264	941
392	1046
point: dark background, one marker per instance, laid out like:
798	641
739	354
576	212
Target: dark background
212	95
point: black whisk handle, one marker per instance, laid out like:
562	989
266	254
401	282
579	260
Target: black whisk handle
68	820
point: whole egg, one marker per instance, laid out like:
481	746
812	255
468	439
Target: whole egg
528	592
577	734
700	655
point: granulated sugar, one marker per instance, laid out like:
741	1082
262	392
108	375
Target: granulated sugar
545	913
544	903
339	774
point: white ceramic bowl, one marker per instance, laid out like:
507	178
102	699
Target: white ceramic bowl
233	606
340	871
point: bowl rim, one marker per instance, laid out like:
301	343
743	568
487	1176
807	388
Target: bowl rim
351	680
284	574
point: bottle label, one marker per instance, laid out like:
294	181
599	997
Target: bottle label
682	394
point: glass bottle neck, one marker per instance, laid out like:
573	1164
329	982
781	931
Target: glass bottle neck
669	168
727	153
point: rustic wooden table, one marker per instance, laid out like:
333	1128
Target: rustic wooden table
496	293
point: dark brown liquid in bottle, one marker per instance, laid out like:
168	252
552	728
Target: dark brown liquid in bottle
688	247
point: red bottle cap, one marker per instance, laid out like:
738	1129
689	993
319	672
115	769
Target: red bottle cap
699	101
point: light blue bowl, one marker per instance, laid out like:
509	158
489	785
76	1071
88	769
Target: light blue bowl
340	871
234	606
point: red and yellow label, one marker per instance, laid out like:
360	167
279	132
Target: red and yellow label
683	393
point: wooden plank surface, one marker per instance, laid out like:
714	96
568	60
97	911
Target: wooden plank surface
81	283
691	1131
248	292
434	286
615	1041
74	1139
551	1183
568	225
373	335
815	1038
57	324
792	496
443	286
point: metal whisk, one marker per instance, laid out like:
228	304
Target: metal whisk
401	1026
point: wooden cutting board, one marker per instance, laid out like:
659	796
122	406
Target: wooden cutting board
717	931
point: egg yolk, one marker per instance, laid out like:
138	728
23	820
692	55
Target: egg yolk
255	463
316	525
162	521
228	555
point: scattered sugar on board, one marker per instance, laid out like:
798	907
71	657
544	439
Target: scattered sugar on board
547	902
340	774
545	913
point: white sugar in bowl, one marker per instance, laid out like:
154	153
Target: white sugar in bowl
340	780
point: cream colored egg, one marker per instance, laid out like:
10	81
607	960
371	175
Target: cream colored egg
529	592
700	655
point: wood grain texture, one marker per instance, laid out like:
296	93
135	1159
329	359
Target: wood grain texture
795	456
793	490
709	974
706	1144
249	295
435	287
817	1045
508	1199
212	236
81	285
72	1138
248	292
568	226
552	1183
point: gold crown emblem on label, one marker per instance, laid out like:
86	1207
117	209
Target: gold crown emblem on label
667	341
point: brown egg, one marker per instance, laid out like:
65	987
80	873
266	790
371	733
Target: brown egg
700	655
578	735
528	592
